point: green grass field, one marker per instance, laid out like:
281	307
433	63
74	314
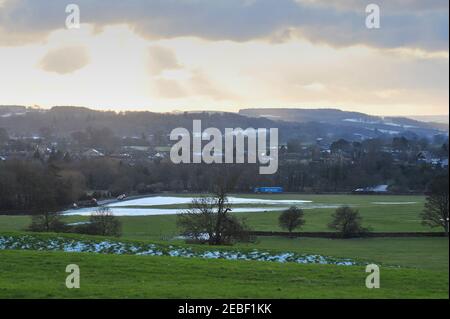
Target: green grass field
410	267
419	252
27	274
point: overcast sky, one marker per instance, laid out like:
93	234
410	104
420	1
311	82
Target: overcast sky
165	55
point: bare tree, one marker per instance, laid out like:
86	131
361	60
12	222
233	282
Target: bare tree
209	219
223	207
435	213
198	222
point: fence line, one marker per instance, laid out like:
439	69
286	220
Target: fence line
337	235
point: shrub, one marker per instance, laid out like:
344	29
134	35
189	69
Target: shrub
291	219
48	222
104	223
347	222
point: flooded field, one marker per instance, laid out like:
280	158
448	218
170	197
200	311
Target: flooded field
155	205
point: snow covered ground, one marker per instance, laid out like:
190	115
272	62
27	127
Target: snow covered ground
27	242
171	200
132	207
394	203
118	211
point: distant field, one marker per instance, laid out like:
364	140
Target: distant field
375	210
28	274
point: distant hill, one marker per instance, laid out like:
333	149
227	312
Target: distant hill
307	125
442	119
438	121
359	121
10	110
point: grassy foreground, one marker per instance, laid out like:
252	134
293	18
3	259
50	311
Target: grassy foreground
35	274
410	267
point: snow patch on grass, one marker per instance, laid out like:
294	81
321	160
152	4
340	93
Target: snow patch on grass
394	203
29	242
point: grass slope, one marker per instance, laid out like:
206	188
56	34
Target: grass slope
418	252
29	274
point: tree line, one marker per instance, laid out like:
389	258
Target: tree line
35	185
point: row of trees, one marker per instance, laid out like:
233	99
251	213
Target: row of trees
76	177
348	221
33	187
345	220
209	220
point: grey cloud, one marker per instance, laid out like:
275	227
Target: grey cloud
390	5
405	23
161	59
201	85
65	60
